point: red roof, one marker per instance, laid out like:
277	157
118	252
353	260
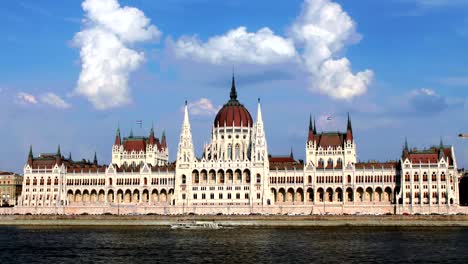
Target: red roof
428	156
135	145
236	115
326	140
376	165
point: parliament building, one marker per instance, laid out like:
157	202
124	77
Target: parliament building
237	175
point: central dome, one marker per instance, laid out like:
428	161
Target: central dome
233	113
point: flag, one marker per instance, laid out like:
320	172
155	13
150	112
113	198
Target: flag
139	122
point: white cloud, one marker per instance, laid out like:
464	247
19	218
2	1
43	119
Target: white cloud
317	38
238	46
323	29
26	99
54	100
106	58
202	107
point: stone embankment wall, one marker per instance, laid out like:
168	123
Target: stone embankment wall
238	210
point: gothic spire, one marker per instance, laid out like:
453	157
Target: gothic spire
311	128
69	156
30	156
95	161
406	144
131	133
291	155
59	153
315	127
233	93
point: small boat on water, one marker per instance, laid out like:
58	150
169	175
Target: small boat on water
196	225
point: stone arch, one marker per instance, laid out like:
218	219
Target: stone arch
70	196
204	177
136	196
388	194
321	194
145	196
120	196
238	176
101	196
290	195
93	196
221	177
275	194
195	177
78	196
212	176
310	195
229	176
339	194
299	198
246	177
110	196
369	194
155	196
163	196
349	194
281	195
85	196
329	195
378	194
360	194
127	196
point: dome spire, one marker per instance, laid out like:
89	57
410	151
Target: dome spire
233	93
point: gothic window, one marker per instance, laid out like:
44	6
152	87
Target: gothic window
184	179
425	177
229	152
339	162
320	163
259	178
434	177
330	163
237	151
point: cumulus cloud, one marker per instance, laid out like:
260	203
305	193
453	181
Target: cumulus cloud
323	30
202	107
106	57
238	46
54	100
316	39
26	99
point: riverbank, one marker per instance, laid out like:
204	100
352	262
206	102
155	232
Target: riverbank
235	221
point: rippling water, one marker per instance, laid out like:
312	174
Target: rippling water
242	245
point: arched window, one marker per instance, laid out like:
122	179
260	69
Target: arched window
229	152
330	163
237	151
425	177
339	163
55	181
309	180
320	163
184	179
349	178
434	177
49	181
416	177
27	181
259	178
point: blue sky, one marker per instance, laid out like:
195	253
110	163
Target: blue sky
414	51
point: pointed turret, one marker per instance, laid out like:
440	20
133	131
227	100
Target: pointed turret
233	94
58	156
311	129
291	155
349	130
163	140
30	156
69	156
117	141
259	112
185	153
315	128
95	161
405	149
441	150
151	139
131	133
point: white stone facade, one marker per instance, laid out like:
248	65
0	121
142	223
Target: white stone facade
236	175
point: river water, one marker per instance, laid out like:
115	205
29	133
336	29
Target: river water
240	245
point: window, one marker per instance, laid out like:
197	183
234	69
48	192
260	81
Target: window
229	196
220	196
195	196
237	195
212	196
258	196
229	152
259	178
237	151
183	196
184	179
203	196
246	196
